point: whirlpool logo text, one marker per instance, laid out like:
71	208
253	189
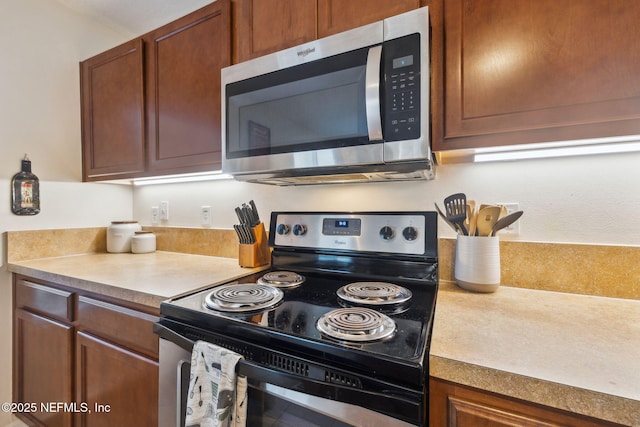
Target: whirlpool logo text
306	52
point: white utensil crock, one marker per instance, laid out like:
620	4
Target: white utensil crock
477	263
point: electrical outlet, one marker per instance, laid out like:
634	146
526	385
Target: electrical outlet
205	215
515	227
155	215
164	211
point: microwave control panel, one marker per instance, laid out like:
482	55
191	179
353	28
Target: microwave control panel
402	88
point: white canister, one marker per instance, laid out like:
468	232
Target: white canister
477	263
119	235
143	242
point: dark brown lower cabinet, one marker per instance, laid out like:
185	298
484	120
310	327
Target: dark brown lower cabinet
81	359
42	362
454	405
120	387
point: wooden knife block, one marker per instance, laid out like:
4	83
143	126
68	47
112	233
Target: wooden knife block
256	254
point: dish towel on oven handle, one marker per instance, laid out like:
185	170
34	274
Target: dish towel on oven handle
217	396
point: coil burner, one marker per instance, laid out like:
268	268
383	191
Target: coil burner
281	279
356	324
243	297
374	293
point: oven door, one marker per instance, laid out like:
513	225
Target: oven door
276	398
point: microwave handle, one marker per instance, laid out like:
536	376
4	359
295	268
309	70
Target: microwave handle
372	93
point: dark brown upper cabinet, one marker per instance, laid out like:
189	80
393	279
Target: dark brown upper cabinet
521	71
112	99
152	106
183	63
267	26
335	16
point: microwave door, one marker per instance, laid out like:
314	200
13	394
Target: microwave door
322	114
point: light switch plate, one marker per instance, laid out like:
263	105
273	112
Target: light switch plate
155	215
164	211
205	216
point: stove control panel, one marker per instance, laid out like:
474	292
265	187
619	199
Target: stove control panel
397	233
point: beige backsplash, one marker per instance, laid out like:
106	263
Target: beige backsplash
35	244
23	245
612	271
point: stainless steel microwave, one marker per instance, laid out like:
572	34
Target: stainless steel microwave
349	107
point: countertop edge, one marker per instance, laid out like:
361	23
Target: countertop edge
108	286
129	295
565	397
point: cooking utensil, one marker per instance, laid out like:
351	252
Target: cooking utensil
456	208
444	217
471	216
473	222
503	211
505	221
487	217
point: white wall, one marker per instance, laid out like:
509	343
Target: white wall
41	44
591	199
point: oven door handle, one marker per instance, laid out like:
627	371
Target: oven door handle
174	337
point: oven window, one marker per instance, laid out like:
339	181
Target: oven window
311	106
267	410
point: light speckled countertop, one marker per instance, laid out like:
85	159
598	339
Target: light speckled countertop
146	279
573	352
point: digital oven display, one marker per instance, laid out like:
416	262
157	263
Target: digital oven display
341	226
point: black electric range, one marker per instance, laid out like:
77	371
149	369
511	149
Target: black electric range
390	256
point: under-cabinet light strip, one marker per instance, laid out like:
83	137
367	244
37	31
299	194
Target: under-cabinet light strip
569	148
208	176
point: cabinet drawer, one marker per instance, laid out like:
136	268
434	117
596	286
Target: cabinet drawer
127	327
44	299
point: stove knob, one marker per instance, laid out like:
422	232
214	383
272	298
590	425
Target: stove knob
299	230
387	233
410	233
282	229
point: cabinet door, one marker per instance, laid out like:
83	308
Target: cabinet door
452	405
335	16
112	112
521	71
42	367
183	60
119	386
266	26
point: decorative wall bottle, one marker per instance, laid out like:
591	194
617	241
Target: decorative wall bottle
25	191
